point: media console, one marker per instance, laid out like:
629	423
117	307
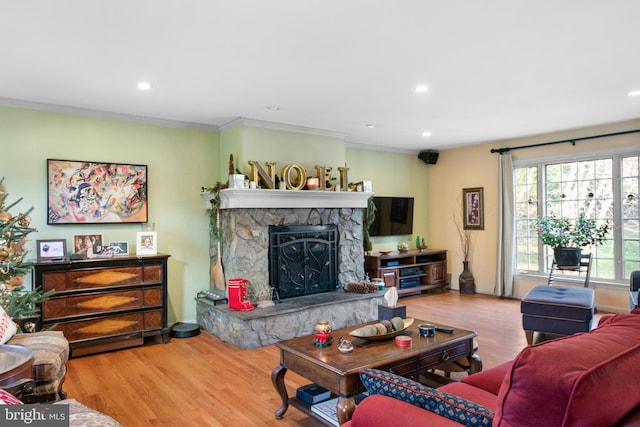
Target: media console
410	272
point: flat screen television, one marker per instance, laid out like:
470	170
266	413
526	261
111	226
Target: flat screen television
394	216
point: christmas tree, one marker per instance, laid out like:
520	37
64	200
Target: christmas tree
17	301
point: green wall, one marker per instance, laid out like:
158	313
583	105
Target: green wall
180	161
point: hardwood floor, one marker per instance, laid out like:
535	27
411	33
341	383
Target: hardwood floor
202	381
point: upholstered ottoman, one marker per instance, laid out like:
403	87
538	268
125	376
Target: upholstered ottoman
557	310
50	354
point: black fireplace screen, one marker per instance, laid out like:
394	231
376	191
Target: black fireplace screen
303	259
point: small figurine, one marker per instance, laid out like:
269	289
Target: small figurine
345	346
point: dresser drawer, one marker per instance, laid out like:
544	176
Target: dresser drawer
102	327
93	279
96	303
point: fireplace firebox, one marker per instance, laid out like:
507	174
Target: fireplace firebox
303	259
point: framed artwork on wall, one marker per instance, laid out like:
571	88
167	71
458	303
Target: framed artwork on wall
473	208
83	192
51	250
147	243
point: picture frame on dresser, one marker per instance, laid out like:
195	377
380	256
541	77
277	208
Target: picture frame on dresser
147	243
87	245
51	250
119	248
88	192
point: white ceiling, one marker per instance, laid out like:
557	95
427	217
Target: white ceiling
496	69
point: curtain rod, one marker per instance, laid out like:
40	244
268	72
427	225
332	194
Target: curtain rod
572	141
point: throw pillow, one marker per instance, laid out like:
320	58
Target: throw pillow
7	398
7	326
444	404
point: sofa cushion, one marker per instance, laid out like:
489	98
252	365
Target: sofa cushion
441	403
489	380
382	411
558	382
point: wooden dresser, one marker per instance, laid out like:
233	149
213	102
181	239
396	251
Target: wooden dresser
104	304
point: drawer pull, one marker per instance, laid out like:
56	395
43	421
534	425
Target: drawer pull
445	355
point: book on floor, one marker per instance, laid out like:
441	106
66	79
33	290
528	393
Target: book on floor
312	393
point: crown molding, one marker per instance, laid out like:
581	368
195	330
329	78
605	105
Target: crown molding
16	103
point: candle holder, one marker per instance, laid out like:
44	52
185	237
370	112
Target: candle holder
322	334
313	183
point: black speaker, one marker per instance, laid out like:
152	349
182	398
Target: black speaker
429	157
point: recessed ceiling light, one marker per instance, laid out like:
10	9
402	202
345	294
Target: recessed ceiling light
426	134
370	125
144	86
422	88
634	93
273	108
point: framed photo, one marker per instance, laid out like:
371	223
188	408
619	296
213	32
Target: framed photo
147	243
119	248
82	192
51	250
473	208
88	246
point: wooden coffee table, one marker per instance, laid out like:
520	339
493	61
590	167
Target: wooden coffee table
338	372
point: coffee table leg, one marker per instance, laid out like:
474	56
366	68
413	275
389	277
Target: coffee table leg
277	379
346	406
475	363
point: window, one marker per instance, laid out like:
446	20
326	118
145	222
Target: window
604	188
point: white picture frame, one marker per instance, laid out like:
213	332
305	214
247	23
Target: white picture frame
147	243
119	248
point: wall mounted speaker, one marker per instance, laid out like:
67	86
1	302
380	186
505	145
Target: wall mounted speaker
429	157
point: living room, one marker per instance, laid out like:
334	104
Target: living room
183	157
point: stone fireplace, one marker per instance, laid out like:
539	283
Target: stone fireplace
246	218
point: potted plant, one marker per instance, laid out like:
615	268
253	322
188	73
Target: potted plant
567	237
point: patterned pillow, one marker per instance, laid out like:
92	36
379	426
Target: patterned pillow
7	326
7	398
444	404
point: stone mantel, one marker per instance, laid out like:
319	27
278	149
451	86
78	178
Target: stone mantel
240	198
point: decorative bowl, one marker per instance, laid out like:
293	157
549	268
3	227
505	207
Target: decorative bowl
385	252
356	333
403	247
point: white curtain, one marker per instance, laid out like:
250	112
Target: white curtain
506	238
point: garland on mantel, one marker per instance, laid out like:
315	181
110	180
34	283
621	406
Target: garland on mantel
214	211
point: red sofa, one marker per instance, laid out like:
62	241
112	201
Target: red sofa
589	379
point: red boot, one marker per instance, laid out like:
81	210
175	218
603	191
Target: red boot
237	294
